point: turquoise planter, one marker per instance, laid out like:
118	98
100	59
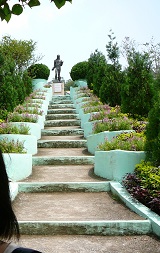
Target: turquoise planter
114	164
18	166
94	140
81	83
30	141
88	128
38	83
34	128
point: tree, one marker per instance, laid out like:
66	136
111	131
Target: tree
137	89
96	71
111	84
6	10
22	51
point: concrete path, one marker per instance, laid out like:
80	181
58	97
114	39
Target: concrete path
63	207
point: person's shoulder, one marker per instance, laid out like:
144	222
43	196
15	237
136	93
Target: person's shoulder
25	250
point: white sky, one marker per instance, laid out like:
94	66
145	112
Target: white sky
77	29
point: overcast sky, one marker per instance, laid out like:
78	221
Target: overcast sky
77	29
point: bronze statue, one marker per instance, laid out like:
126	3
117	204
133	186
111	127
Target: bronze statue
57	66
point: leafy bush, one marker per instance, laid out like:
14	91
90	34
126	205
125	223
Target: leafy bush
114	124
6	128
106	112
79	71
12	146
39	71
126	141
144	185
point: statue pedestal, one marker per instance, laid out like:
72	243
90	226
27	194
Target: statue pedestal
58	88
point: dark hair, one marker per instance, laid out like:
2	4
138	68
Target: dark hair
8	222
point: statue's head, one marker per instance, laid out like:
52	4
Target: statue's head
58	56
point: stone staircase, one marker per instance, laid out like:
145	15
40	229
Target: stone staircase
63	206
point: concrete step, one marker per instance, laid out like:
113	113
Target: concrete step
62	160
62	144
61	132
71	206
91	243
62	152
64	101
60	106
48	187
63	173
61	111
61	116
51	123
63	137
60	97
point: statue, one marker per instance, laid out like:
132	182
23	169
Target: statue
57	66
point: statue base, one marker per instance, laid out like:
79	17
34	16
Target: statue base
57	88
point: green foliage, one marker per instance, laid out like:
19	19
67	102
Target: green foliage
153	132
12	146
137	89
96	71
149	176
79	71
7	10
39	70
27	82
126	141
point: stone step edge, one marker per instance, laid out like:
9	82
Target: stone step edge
40	187
65	132
62	160
62	144
104	227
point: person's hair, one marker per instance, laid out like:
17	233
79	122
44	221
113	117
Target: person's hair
9	227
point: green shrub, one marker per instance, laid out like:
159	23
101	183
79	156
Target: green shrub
24	117
79	71
126	141
39	71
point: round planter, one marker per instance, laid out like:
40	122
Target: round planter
34	128
30	141
81	83
18	166
38	83
94	140
114	164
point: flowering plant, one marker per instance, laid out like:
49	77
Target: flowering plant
115	124
24	117
12	146
6	128
22	109
126	141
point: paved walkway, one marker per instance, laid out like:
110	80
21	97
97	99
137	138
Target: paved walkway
63	207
